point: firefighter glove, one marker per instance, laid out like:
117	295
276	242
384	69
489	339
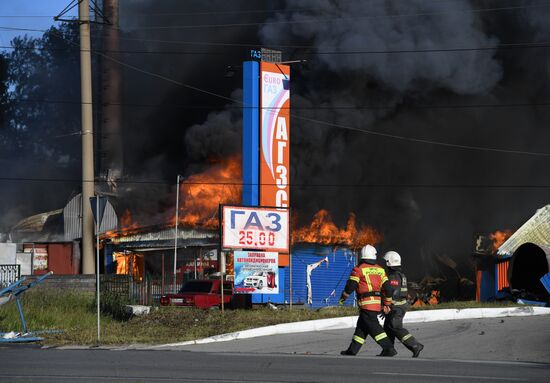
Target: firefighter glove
341	302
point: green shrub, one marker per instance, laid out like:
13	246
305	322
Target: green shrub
114	305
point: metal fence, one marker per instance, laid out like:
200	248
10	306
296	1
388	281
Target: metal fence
9	274
144	291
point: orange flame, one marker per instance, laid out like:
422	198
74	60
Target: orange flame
126	226
323	231
201	194
499	237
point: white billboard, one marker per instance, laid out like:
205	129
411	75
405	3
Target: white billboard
255	228
256	272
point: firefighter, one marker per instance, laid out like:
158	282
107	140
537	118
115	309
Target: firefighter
393	322
369	280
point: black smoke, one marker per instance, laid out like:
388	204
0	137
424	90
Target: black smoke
458	72
436	71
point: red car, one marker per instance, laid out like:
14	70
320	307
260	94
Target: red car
203	294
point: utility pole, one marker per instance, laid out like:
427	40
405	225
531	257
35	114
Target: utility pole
176	232
110	141
87	139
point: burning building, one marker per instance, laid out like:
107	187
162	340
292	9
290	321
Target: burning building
154	249
512	264
322	255
359	92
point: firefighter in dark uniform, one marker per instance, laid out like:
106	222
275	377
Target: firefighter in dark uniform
370	283
393	322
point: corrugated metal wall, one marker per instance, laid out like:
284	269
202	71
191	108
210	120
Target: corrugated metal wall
327	280
72	218
487	285
502	275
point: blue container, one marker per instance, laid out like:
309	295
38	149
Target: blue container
545	279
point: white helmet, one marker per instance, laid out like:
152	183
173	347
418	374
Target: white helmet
368	252
392	258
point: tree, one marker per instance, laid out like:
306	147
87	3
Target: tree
42	101
39	135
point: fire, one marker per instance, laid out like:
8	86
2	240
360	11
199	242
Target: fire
499	237
201	194
323	231
126	226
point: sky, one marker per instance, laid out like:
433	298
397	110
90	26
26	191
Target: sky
32	14
376	75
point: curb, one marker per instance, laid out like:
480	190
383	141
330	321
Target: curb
350	322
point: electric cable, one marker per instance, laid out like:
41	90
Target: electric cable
325	123
313	108
292	184
295	10
419	140
333	19
524	45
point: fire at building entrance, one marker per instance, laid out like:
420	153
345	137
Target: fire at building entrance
514	265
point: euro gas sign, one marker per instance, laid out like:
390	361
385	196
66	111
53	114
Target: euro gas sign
255	228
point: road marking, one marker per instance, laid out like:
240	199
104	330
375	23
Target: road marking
474	377
72	378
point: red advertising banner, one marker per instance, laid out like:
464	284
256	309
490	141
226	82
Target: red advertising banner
274	135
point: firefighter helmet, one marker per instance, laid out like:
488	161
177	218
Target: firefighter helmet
368	252
392	258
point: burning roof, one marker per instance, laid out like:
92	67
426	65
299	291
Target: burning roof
536	230
163	235
322	230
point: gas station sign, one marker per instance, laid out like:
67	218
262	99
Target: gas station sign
255	228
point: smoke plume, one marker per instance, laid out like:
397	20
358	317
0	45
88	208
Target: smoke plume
377	74
425	70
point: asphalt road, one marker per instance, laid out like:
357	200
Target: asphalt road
487	350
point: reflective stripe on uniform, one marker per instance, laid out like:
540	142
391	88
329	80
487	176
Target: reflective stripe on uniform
367	278
375	271
368	301
353	278
406	337
380	336
358	339
399	303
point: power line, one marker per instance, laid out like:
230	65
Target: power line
523	45
293	185
419	140
335	107
290	11
26	17
209	13
338	19
325	123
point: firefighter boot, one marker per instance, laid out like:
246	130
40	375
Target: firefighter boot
413	345
387	347
353	348
388	352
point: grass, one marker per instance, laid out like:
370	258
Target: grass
75	314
